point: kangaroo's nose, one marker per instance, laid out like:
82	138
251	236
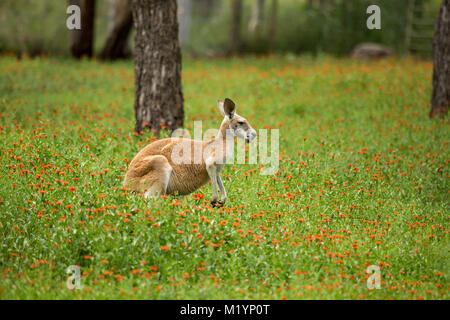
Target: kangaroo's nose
251	135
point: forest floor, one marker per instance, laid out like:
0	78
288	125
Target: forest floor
363	185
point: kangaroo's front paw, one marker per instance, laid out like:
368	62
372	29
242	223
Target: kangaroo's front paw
216	203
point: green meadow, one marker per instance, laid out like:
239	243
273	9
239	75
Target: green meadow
363	181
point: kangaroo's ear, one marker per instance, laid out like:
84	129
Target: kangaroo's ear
229	108
220	106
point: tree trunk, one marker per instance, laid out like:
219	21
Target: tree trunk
236	12
322	3
205	8
257	19
157	66
81	41
184	20
273	25
441	73
122	21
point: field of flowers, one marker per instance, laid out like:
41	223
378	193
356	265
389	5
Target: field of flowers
363	181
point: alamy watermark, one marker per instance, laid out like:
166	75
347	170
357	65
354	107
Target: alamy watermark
74	280
214	143
374	280
374	20
74	20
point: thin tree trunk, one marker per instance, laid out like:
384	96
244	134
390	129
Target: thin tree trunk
122	21
157	66
273	25
257	19
184	20
205	8
236	11
81	41
441	73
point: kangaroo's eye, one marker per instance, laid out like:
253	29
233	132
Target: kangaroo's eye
241	122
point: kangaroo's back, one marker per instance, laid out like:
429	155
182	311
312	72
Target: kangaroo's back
187	173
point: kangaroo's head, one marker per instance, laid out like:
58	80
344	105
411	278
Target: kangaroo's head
238	125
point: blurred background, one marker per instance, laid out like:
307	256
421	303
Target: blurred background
224	27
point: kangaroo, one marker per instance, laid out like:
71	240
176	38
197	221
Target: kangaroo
157	169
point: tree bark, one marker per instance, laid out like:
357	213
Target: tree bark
81	41
257	19
273	25
122	21
236	11
205	8
184	20
157	66
441	72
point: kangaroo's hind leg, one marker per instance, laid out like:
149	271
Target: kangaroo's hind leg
157	178
149	175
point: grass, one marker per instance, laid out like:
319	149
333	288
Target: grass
363	180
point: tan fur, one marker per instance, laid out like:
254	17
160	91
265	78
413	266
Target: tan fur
153	172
